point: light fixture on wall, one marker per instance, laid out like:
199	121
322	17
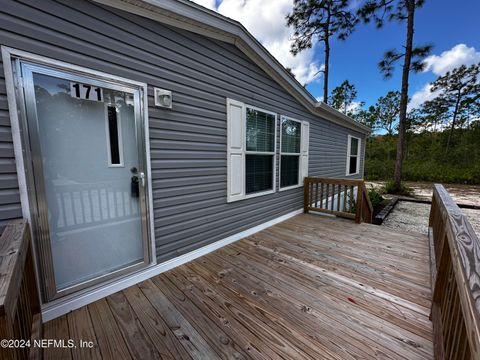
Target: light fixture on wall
163	98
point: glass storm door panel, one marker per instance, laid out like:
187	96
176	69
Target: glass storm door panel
89	176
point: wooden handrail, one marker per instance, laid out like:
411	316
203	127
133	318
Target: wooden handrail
20	316
455	271
346	198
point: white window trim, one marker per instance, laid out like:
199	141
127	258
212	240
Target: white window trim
274	153
349	155
280	188
120	138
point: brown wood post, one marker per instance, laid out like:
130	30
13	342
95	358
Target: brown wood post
306	188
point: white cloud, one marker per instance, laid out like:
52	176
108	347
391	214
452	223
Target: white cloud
266	21
210	4
418	98
448	60
354	107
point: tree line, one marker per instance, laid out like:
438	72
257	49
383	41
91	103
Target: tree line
455	104
442	134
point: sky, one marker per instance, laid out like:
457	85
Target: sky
452	27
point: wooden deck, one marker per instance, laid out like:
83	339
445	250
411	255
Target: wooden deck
311	287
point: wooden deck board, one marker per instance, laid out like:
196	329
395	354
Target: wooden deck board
311	287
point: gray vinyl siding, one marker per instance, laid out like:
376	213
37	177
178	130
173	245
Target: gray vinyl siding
188	143
10	207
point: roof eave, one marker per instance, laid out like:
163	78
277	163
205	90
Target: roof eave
193	17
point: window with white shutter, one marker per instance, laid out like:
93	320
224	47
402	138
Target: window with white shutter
293	152
251	153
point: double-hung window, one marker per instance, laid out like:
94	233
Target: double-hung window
251	144
353	155
252	149
293	152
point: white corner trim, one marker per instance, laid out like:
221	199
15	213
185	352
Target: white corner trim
59	308
364	146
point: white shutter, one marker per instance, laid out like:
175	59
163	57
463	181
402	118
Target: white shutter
235	150
305	139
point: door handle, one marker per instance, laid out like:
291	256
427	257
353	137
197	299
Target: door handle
138	174
134	186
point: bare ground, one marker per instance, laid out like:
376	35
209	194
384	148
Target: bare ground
462	194
409	216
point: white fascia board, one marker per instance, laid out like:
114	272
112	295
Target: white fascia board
198	19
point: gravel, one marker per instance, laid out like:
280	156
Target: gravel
409	216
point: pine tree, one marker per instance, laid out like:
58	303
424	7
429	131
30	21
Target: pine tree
459	92
343	97
433	113
367	117
320	20
387	111
403	11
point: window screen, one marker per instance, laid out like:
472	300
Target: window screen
260	131
353	165
353	146
291	136
289	170
260	150
259	173
290	152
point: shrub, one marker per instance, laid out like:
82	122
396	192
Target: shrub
375	197
389	188
431	171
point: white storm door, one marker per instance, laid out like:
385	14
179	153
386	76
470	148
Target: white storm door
88	160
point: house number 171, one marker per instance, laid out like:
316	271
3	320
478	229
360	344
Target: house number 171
86	92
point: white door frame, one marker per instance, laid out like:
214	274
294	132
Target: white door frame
11	62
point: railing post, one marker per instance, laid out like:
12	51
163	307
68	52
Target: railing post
20	316
306	189
358	213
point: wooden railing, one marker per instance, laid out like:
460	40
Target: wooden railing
20	316
341	197
455	270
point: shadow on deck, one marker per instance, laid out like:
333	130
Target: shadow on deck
311	287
